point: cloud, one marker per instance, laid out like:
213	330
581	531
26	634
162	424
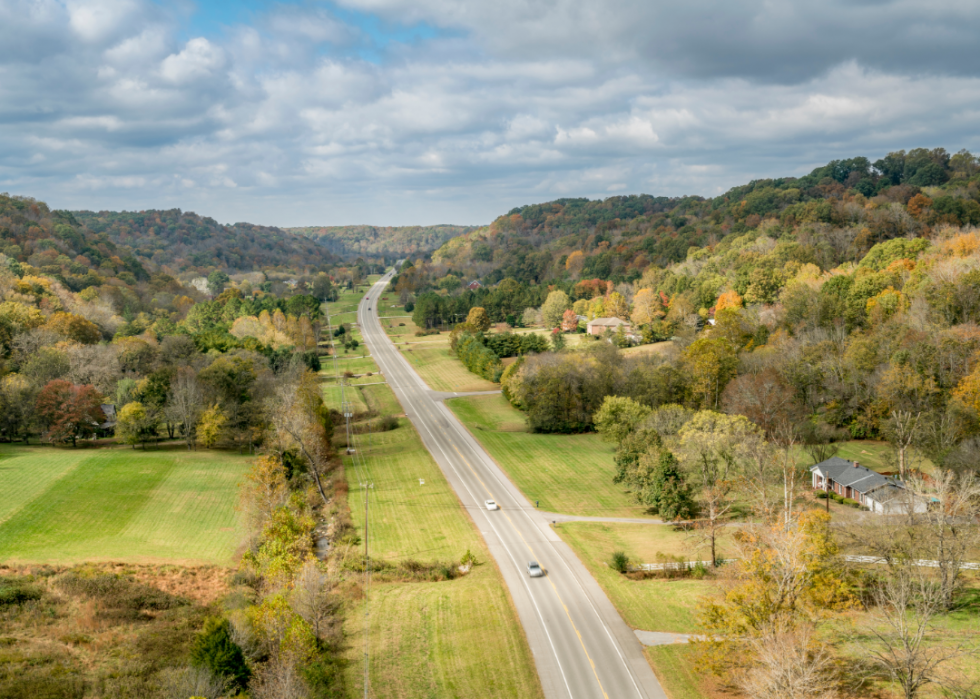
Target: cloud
302	116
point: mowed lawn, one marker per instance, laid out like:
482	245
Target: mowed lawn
120	504
441	371
458	638
332	396
381	399
570	474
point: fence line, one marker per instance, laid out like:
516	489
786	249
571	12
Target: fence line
922	563
688	565
675	565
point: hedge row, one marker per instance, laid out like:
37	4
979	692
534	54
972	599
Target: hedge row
515	345
479	358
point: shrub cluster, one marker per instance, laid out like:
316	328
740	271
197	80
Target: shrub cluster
478	358
515	345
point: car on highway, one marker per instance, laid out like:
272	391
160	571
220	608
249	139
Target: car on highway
534	570
491	505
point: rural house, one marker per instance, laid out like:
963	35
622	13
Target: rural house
597	326
850	479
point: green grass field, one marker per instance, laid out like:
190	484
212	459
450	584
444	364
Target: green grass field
441	371
331	396
430	639
381	399
652	604
120	504
571	474
356	364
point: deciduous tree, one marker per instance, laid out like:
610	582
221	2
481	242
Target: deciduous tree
554	308
69	411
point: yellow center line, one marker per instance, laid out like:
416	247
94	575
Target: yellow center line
555	589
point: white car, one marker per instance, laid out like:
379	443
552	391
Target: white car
491	505
534	570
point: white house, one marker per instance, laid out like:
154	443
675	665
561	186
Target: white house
878	493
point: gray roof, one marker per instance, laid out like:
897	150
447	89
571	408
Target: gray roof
853	475
608	321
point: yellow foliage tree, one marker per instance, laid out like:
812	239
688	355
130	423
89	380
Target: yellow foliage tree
211	426
729	299
616	306
575	262
646	307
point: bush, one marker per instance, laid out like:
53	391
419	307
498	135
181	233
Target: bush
822	495
478	358
620	562
409	307
17	592
214	649
698	571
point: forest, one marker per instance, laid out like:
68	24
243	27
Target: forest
390	242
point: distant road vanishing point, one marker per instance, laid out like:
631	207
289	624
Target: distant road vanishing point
582	647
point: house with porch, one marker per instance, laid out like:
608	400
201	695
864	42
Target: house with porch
849	479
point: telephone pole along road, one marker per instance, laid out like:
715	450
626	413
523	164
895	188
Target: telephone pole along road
582	648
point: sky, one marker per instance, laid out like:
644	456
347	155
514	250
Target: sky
401	112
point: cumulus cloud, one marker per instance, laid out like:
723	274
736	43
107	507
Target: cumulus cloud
303	116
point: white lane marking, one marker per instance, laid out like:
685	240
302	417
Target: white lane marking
505	547
527	587
454	422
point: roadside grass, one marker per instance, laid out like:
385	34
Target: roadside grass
119	504
429	639
331	397
570	474
651	605
395	329
675	667
441	371
355	365
642	542
381	399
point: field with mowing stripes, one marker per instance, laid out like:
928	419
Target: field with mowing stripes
458	638
120	504
331	396
441	371
571	474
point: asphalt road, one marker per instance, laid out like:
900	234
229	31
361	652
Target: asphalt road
581	646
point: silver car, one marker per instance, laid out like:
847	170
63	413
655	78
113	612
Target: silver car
534	570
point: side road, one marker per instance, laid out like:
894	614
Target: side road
582	647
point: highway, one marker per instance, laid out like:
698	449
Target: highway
582	648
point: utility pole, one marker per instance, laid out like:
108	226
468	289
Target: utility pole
367	583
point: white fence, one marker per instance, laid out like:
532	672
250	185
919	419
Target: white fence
688	565
922	563
675	565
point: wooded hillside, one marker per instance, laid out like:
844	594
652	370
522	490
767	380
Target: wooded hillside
392	242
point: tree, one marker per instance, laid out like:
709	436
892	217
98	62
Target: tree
619	416
950	523
557	340
301	420
312	598
216	282
569	321
212	425
554	308
664	488
135	424
74	327
18	398
575	262
616	306
323	288
908	650
712	449
765	398
901	430
69	411
184	403
729	299
478	319
711	363
647	307
214	649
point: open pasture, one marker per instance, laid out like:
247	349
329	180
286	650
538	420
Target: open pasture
119	504
571	474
